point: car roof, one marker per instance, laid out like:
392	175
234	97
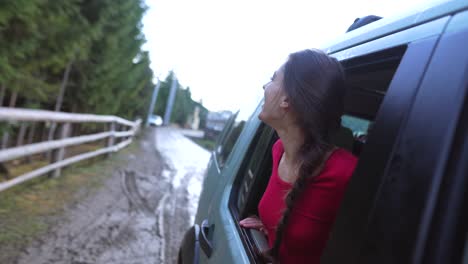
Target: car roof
419	15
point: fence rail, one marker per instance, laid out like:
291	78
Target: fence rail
18	114
58	145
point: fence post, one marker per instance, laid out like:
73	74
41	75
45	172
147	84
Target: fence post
137	127
111	139
59	154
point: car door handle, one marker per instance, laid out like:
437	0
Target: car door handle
205	243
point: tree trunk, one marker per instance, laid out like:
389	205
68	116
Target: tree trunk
21	134
13	98
44	135
31	132
63	86
5	139
59	154
2	94
76	126
58	103
6	135
44	131
74	107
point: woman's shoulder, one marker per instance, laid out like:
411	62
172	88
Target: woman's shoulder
340	165
343	157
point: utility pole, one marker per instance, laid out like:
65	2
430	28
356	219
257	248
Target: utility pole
153	101
170	102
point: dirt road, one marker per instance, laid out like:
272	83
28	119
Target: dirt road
140	214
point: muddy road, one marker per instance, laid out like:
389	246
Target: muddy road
139	215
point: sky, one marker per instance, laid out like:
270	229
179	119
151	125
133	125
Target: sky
226	50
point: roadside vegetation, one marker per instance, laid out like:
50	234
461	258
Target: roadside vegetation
207	144
30	209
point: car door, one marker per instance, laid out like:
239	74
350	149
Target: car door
423	181
387	212
207	239
442	231
219	242
215	165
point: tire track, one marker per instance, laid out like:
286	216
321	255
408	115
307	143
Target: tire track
130	189
160	224
117	224
139	215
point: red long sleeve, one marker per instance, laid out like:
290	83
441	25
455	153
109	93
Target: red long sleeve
314	212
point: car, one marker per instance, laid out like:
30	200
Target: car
407	109
155	120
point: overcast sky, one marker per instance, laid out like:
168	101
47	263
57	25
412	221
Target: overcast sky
226	50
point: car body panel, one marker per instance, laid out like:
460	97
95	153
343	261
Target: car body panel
227	246
426	12
213	177
430	29
394	228
351	223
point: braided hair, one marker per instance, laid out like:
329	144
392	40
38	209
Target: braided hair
314	84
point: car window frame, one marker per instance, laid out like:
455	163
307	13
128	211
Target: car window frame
221	141
248	244
247	241
447	186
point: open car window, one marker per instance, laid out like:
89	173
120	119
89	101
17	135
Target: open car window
227	139
368	78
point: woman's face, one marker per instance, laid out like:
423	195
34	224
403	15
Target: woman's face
275	100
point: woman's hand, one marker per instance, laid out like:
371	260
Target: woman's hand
253	222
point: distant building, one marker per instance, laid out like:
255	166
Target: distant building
196	119
215	122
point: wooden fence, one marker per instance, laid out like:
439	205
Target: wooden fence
58	145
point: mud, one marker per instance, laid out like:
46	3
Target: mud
138	216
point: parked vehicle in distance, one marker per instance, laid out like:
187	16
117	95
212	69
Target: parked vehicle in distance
155	120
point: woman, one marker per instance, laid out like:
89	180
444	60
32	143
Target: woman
303	103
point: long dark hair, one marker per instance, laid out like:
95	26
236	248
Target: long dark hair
314	84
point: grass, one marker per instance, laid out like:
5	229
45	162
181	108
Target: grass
26	210
26	167
20	167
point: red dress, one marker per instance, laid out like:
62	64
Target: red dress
314	212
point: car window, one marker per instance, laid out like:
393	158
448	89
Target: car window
255	173
233	129
358	126
250	183
353	133
368	80
225	147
